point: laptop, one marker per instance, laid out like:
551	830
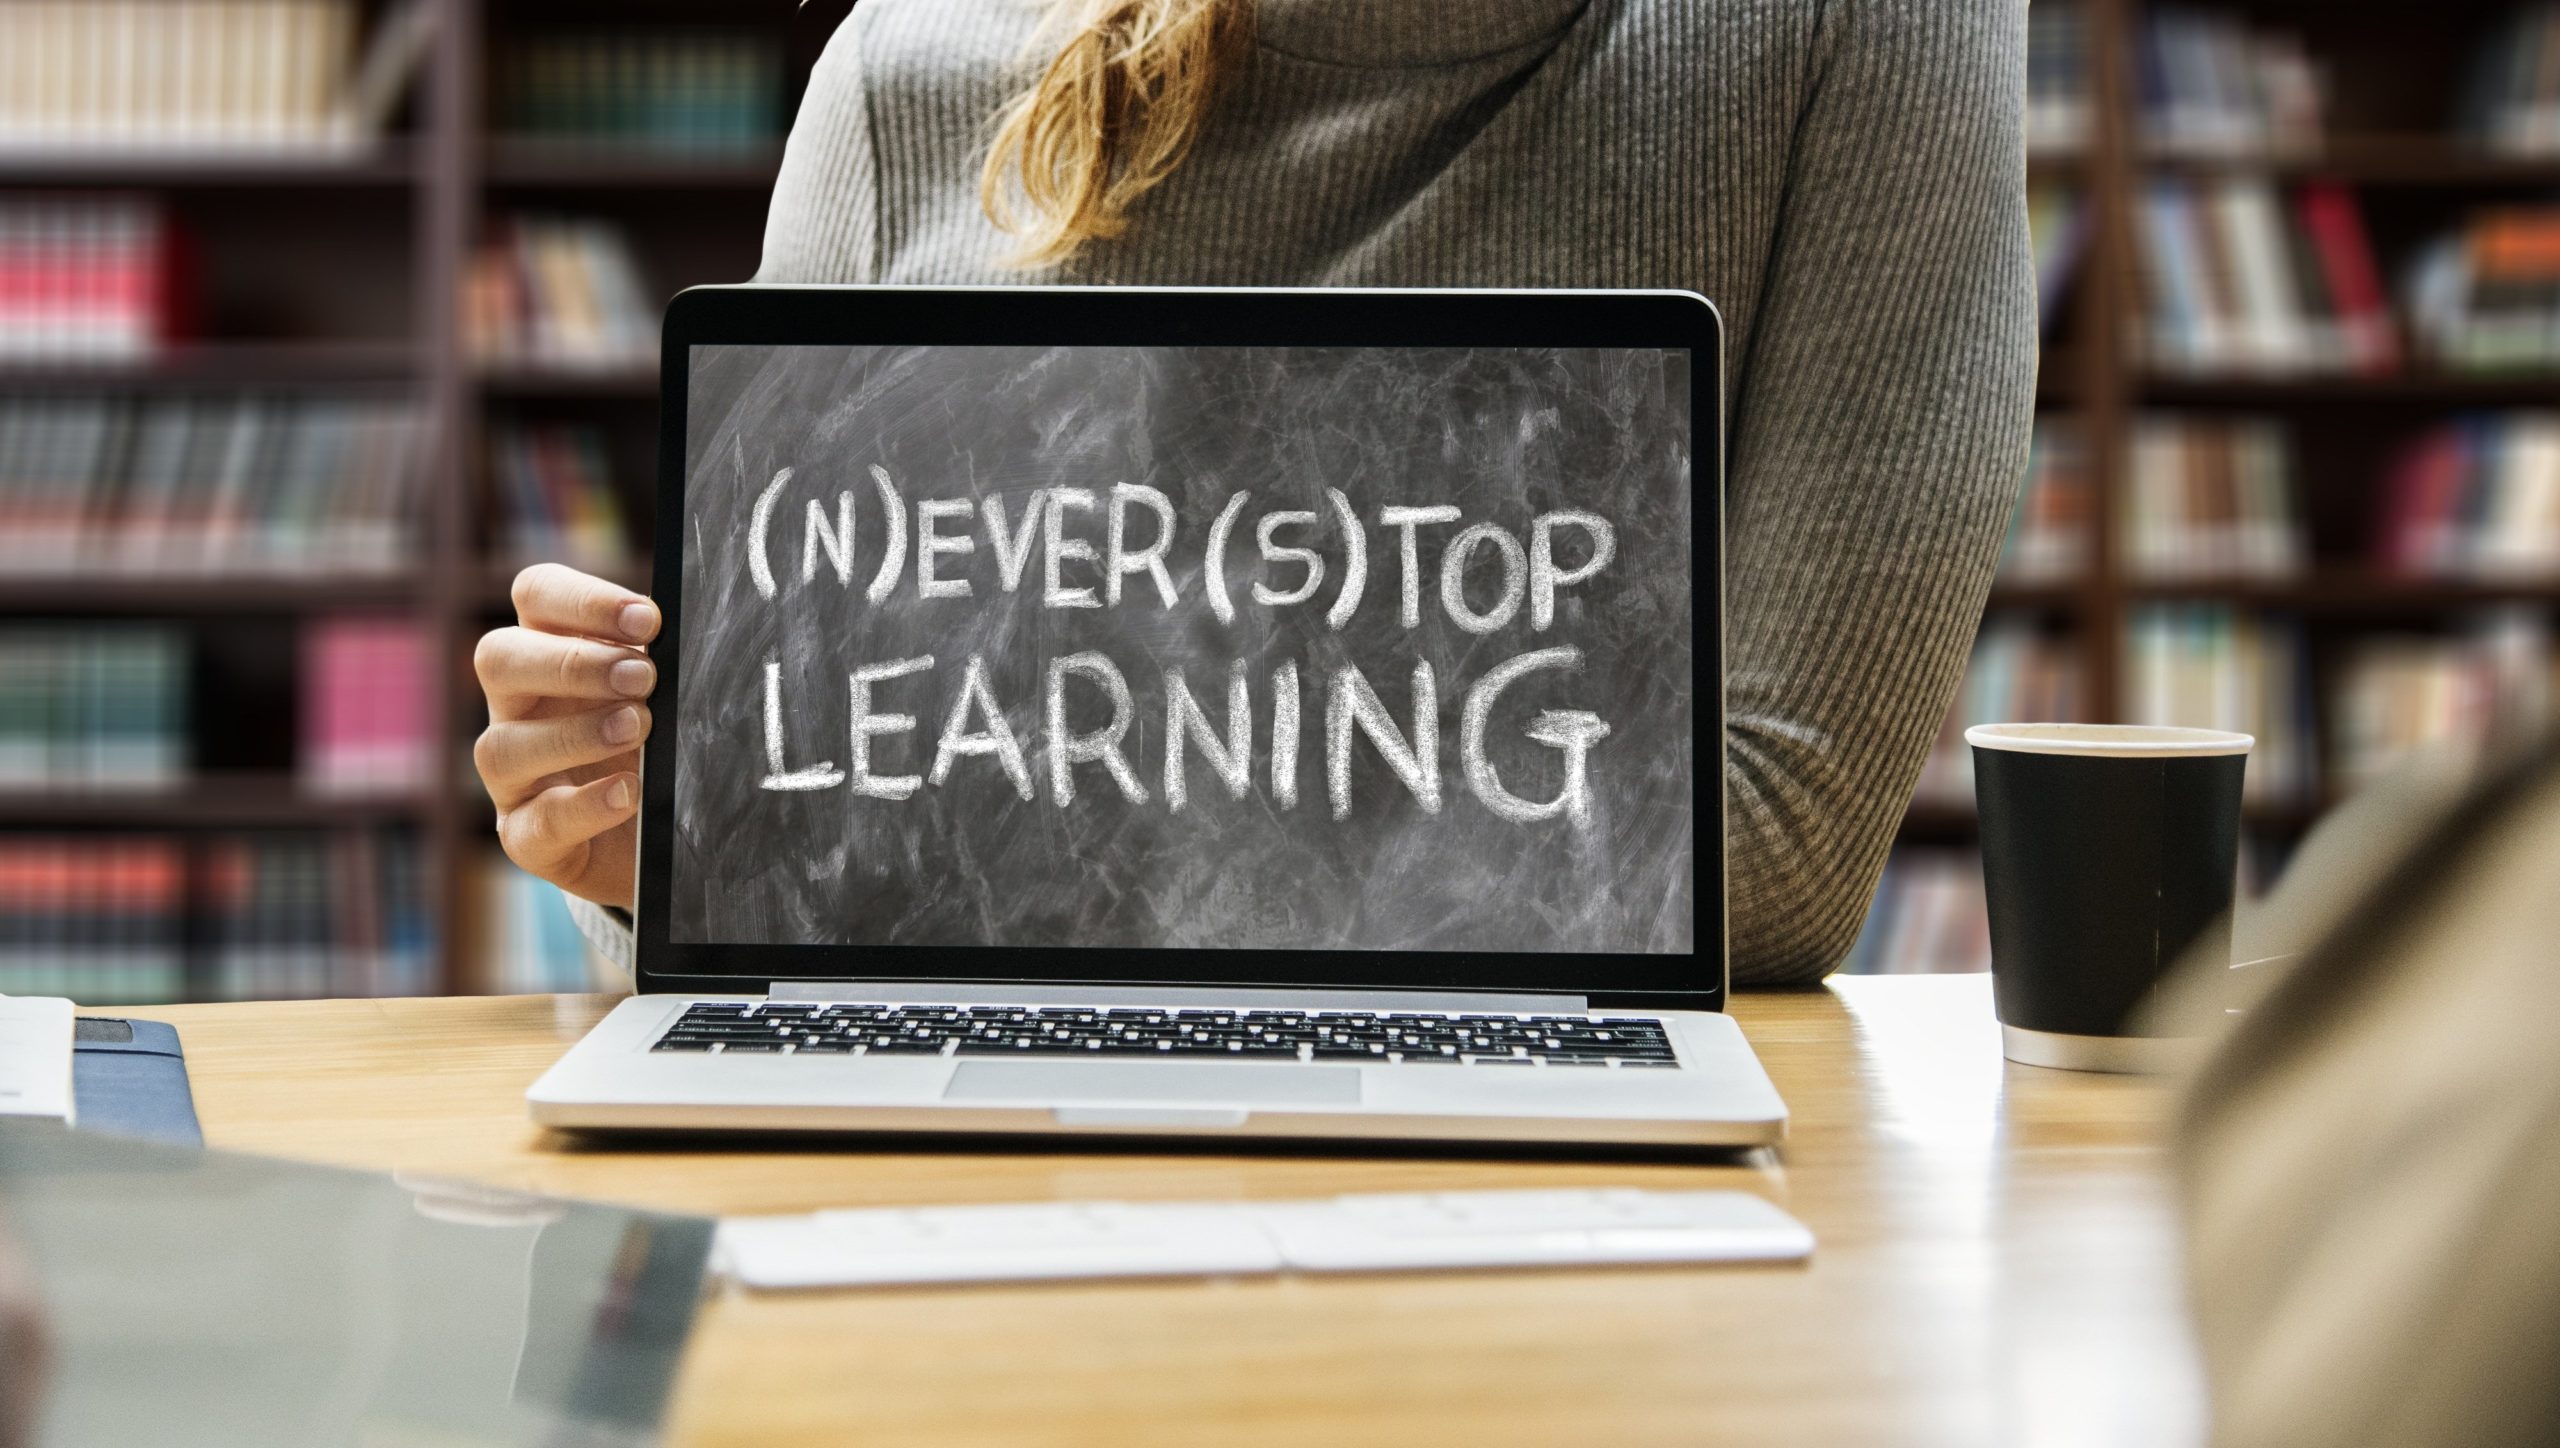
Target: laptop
1166	712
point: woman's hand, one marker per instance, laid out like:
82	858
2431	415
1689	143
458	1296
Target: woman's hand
567	691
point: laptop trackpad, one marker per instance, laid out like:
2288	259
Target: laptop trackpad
1064	1083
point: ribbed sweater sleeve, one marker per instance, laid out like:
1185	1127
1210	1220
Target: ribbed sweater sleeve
1878	431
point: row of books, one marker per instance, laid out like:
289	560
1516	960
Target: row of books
2058	221
213	484
2209	83
2511	101
88	278
2389	695
559	292
2058	66
554	487
366	707
112	920
2018	674
690	92
2214	667
1929	916
2212	498
239	76
2239	276
2049	532
2486	298
528	941
94	708
2477	498
2397	697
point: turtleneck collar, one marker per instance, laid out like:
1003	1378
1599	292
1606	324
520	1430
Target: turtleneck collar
1389	33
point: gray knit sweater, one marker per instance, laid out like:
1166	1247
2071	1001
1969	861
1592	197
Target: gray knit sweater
1845	178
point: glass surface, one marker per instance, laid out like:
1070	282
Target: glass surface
212	1299
1235	648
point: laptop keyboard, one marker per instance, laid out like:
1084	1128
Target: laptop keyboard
741	1027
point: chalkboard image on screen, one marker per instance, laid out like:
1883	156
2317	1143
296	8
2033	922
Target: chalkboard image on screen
1222	647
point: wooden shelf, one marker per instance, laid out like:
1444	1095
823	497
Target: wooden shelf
626	382
269	593
2348	594
391	165
2418	389
570	166
227	365
498	578
209	801
2380	160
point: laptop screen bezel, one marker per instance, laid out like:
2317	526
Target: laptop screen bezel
1195	317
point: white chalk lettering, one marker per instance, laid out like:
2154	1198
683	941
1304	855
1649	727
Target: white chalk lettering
1570	732
1284	735
1067	750
1013	551
1216	558
996	739
779	777
1544	579
930	543
836	538
1405	521
1118	560
1348	701
759	567
1062	548
1271	523
866	725
1453	578
1231	758
1355	567
895	560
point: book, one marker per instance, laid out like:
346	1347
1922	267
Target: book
1929	916
2209	84
210	484
2209	498
367	721
553	486
555	292
95	707
2049	530
2213	667
86	278
2476	498
2400	696
2236	278
2019	673
2058	77
682	92
529	940
101	919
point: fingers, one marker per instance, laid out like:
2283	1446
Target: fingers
550	833
556	599
516	755
518	666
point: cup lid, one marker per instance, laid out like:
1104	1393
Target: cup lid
2121	741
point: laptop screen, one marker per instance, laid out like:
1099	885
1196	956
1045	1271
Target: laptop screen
1368	650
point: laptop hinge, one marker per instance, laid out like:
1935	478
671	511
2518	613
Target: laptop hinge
913	993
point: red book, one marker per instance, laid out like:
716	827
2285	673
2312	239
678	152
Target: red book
2330	214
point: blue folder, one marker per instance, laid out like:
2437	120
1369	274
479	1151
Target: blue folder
129	1078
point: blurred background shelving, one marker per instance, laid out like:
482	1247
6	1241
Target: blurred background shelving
289	388
322	318
2298	438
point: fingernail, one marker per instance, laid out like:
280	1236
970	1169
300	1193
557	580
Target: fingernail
632	677
617	795
621	726
639	621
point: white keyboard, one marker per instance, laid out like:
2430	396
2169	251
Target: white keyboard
888	1246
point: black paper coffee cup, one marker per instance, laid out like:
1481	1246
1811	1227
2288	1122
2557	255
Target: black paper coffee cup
2108	852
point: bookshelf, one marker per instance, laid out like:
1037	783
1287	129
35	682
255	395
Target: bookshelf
341	272
2390	132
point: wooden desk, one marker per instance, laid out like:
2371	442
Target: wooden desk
1995	1266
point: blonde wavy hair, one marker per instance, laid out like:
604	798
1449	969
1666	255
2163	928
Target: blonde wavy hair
1110	116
